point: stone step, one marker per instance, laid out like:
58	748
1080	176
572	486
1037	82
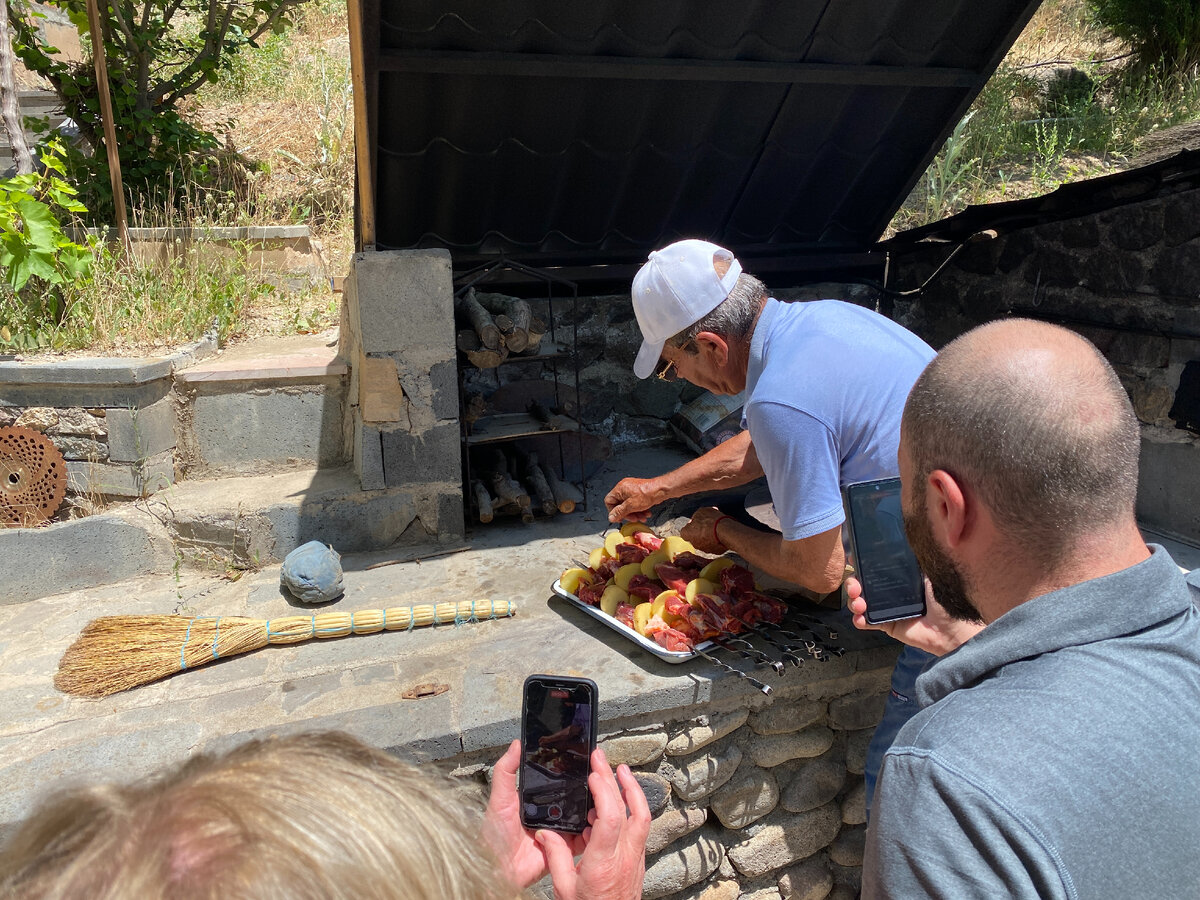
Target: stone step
253	520
252	414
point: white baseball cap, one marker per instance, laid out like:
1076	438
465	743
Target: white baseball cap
677	286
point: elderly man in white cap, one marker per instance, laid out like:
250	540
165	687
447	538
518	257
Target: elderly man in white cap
825	384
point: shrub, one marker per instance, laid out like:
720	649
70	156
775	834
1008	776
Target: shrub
1163	34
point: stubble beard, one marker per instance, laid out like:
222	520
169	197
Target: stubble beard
949	586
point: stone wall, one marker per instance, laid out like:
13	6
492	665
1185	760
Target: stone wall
629	410
397	332
762	803
1128	279
113	420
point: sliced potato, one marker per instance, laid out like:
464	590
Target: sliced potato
629	529
610	543
698	586
641	615
611	597
659	604
596	557
712	572
625	573
648	564
674	545
572	578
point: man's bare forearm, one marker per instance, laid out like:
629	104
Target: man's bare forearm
815	563
729	464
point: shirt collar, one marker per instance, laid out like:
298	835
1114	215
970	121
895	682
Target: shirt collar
1121	603
758	343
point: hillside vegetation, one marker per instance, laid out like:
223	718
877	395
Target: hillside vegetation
1064	105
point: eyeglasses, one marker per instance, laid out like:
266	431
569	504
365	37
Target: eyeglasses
667	370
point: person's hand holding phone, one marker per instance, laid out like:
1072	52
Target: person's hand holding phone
521	857
613	861
935	632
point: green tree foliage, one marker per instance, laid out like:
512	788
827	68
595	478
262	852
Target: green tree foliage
38	262
158	53
1164	34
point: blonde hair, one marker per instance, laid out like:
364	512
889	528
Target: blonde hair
312	816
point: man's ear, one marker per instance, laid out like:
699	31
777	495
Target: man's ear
949	509
713	344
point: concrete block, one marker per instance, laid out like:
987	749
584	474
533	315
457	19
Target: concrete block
368	456
381	399
1169	484
443	377
432	456
137	434
108	479
404	299
82	553
354	522
244	431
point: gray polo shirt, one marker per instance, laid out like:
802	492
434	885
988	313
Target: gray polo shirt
1056	754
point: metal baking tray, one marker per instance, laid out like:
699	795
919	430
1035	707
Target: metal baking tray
671	656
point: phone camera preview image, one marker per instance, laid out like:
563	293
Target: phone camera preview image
556	749
884	563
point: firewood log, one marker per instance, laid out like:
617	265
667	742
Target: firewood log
474	408
536	479
508	490
566	495
537	330
487	359
479	318
483	501
466	340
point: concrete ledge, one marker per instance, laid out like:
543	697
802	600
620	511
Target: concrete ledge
83	553
104	371
317	362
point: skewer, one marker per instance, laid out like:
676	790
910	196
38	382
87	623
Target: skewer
751	652
724	666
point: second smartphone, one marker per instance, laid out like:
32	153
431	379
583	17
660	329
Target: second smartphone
558	735
879	552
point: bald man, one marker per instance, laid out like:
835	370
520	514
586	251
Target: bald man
1055	752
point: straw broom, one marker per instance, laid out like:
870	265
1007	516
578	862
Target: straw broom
116	653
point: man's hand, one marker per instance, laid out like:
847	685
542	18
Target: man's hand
520	856
935	632
631	499
699	531
613	864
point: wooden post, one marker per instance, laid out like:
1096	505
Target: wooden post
362	132
110	128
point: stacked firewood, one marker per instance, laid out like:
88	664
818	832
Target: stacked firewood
491	326
516	483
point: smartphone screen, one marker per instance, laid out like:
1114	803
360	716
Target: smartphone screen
883	562
558	735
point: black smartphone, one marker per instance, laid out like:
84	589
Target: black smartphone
876	547
558	735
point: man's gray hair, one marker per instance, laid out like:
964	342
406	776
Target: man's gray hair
734	316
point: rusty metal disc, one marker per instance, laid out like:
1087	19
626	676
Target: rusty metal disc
33	477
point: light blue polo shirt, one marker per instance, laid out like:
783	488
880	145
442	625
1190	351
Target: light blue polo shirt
825	389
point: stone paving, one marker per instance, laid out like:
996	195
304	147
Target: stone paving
355	683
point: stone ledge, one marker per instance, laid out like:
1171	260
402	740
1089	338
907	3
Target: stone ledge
313	363
103	370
